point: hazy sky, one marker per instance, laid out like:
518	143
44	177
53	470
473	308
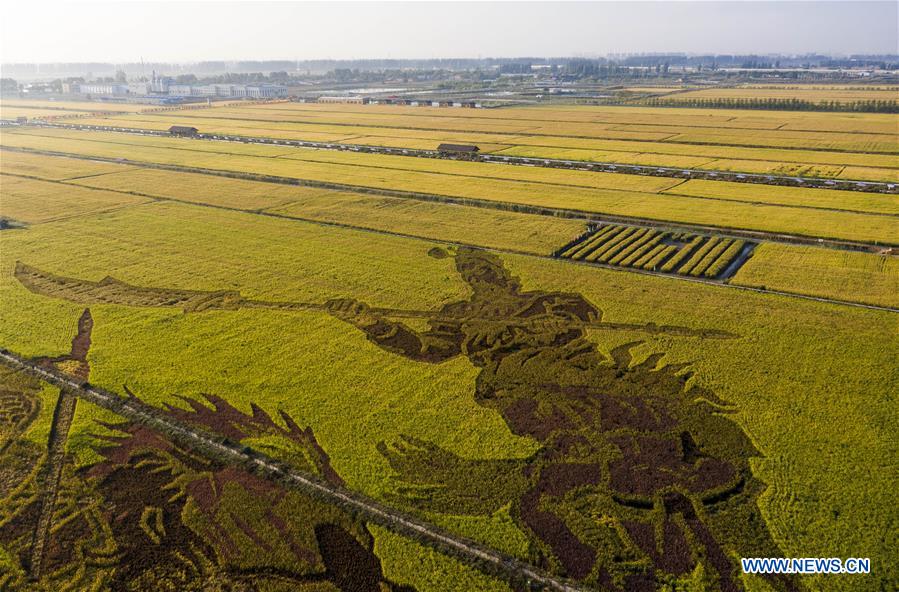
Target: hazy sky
39	31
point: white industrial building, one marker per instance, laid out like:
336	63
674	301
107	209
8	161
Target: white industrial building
163	86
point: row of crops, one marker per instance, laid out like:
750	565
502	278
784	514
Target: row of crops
653	249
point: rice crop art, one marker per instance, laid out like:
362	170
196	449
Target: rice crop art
151	514
654	249
638	444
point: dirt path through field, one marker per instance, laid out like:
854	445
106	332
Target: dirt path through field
74	364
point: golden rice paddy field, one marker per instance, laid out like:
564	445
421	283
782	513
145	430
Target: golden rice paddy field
391	325
812	212
12	108
35	200
865	146
814	94
38	188
30	201
845	275
793	367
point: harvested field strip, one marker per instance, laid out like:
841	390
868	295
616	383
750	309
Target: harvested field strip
654	249
647	248
661	255
624	234
683	253
581	249
621	247
717	267
710	257
606	236
779	219
866	278
644	250
698	256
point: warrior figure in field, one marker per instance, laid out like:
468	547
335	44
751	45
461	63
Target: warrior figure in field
640	478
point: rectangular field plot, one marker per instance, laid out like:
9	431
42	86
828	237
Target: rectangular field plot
868	278
56	168
526	233
653	249
33	202
831	199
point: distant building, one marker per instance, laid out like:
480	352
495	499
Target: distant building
163	86
103	89
180	90
138	88
350	100
266	91
182	130
459	148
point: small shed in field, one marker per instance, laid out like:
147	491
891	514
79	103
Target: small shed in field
183	130
462	148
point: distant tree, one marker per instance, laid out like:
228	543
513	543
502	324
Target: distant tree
8	85
120	77
186	79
